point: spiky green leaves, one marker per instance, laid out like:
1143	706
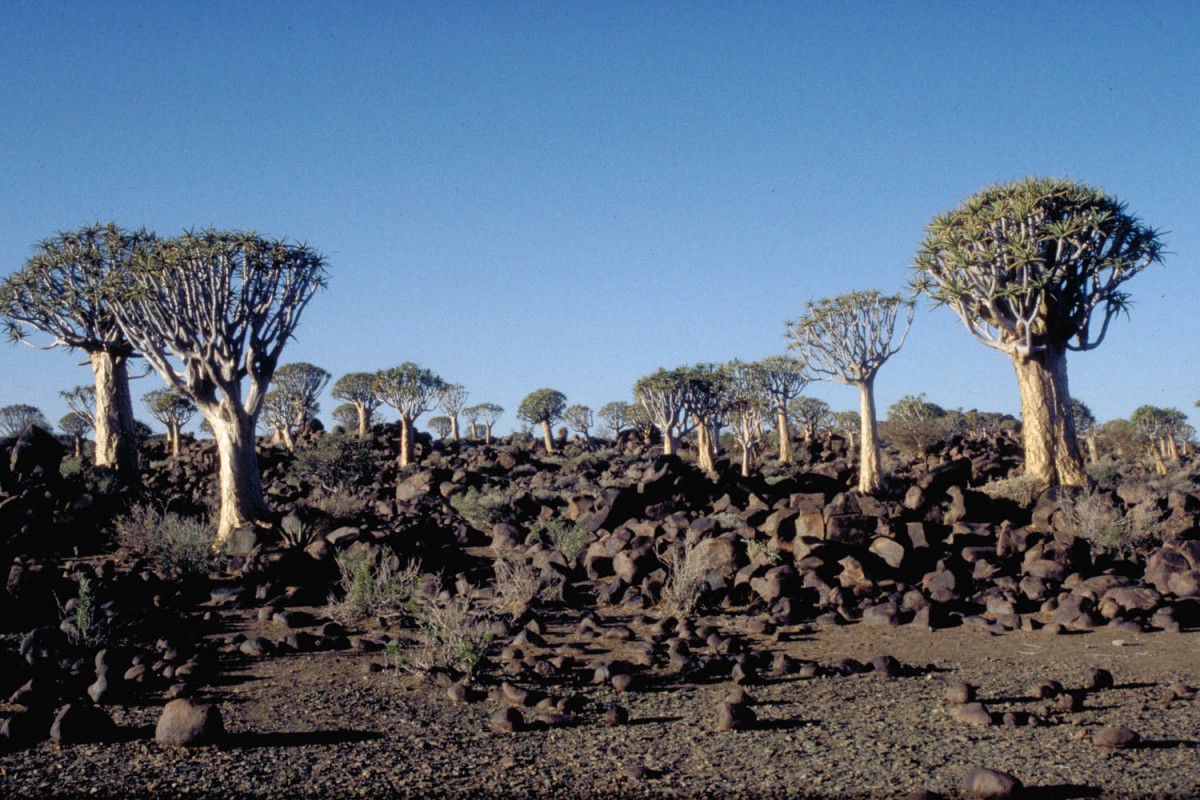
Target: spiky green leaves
1025	264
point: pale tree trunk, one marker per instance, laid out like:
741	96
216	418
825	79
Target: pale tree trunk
78	447
285	435
116	441
362	419
745	461
173	435
487	436
406	442
1048	426
240	482
704	447
546	436
1092	452
668	441
1172	449
785	435
869	478
454	427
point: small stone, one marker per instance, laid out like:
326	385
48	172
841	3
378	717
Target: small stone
990	784
186	724
734	717
507	720
1115	737
514	694
622	682
615	715
1098	678
1048	689
960	693
973	714
457	694
887	666
1069	701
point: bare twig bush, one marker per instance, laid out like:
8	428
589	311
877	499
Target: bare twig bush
339	503
1093	517
519	585
176	545
374	587
1020	489
685	581
453	633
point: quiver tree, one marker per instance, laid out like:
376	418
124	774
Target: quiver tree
173	410
221	304
60	292
1085	428
914	424
811	415
782	379
543	407
76	426
452	399
489	414
412	390
356	388
1034	269
705	397
472	414
615	415
846	424
580	418
847	339
662	395
292	400
15	419
441	426
347	416
748	405
81	400
1159	431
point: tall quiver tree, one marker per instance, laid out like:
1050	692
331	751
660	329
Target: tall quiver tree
782	378
490	414
662	395
173	410
1025	265
412	390
356	388
60	292
543	407
222	305
452	399
847	339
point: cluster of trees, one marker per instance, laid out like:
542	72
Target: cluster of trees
1033	268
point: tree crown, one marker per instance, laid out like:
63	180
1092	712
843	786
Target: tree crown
848	338
542	406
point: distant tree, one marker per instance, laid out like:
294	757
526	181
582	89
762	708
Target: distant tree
1024	265
914	424
1159	429
441	426
355	388
60	292
662	395
543	407
748	406
222	305
412	390
639	420
15	419
472	414
452	399
347	416
81	400
978	424
705	400
846	423
615	415
783	378
173	410
1085	428
490	414
580	418
847	339
292	400
76	426
810	416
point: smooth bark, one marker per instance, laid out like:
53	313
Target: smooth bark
1048	425
116	441
785	435
240	483
549	440
869	478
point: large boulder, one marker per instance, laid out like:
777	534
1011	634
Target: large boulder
185	723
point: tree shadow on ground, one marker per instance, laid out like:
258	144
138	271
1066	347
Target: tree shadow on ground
1062	791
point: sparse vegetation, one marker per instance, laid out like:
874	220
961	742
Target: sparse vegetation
685	581
455	633
483	508
178	546
84	626
374	586
1020	489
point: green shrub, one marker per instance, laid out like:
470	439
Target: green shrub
334	461
451	634
1093	516
84	626
482	508
374	586
564	535
176	545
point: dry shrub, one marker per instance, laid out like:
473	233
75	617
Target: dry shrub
1020	489
453	633
374	587
1092	516
685	581
176	545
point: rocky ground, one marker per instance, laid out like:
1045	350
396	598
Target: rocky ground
839	645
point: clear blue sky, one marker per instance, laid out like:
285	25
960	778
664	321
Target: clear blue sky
520	195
